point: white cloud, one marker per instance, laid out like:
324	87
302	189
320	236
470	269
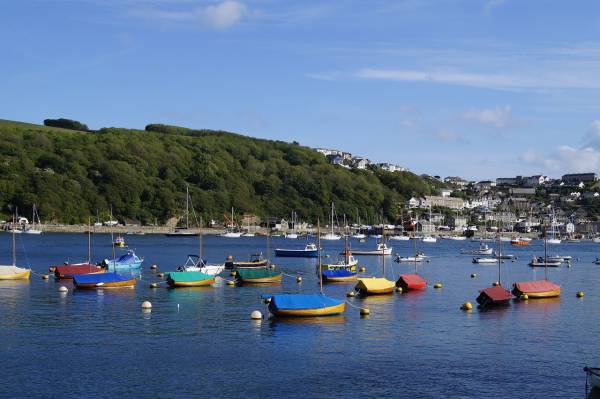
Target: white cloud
499	117
565	159
592	138
223	15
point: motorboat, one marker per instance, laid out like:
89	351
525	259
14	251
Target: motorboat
382	249
483	249
195	264
309	251
485	260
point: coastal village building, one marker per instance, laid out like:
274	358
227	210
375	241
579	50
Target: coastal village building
360	163
457	181
576	178
522	191
390	167
413	203
457	223
445	192
446	202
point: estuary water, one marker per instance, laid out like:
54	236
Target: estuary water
200	342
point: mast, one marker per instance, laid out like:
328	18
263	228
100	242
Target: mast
89	241
112	240
268	244
200	240
187	206
14	245
332	218
415	249
382	249
319	253
546	253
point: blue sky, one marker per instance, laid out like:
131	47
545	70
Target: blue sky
480	89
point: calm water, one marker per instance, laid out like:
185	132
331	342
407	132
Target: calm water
201	343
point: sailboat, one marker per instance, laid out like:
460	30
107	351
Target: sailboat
553	239
495	295
68	270
429	238
259	275
342	271
34	217
248	233
358	235
538	288
376	285
196	263
13	272
305	305
293	235
184	231
413	281
232	232
331	236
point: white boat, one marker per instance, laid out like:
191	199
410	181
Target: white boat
376	236
341	264
596	240
178	231
418	258
485	260
482	250
552	238
13	272
291	236
505	239
359	236
248	234
554	241
457	238
331	236
195	264
540	262
429	239
34	217
399	238
232	234
382	249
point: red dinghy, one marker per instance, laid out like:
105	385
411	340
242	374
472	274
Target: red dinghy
494	296
411	282
69	270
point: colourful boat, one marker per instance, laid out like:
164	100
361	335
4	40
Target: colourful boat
256	260
309	251
536	289
189	279
494	296
128	261
13	272
304	305
119	242
374	286
338	276
258	276
102	281
411	282
67	271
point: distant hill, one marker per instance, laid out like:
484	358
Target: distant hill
70	175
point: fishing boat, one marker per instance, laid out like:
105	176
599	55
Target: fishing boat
35	218
119	242
482	250
597	261
13	272
258	276
331	236
519	241
103	281
256	260
544	262
128	261
593	377
346	262
538	288
485	260
189	279
309	251
382	249
495	295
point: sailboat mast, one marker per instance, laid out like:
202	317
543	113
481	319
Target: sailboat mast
89	241
187	206
319	254
546	253
415	249
268	244
112	239
14	244
200	239
382	248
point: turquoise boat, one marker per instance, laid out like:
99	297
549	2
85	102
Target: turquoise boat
189	279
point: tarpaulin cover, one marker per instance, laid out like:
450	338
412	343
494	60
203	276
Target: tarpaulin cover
98	278
69	270
256	273
496	293
188	276
536	286
413	281
301	301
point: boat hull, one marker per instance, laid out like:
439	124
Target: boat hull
536	289
115	284
262	280
14	273
320	312
199	283
296	253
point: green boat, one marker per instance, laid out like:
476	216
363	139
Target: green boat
189	279
257	276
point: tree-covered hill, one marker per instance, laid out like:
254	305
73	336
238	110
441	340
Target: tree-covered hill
70	175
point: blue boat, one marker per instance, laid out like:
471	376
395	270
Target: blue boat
103	280
304	305
338	276
309	251
128	261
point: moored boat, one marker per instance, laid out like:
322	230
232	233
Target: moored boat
399	238
128	261
309	251
411	282
518	241
13	272
382	249
338	275
536	289
102	281
482	250
195	264
494	296
258	276
593	376
119	242
304	305
67	271
256	260
485	260
374	286
544	262
189	279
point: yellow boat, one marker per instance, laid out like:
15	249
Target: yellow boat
14	273
304	305
375	286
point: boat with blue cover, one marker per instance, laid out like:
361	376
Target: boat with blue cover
343	270
309	251
103	280
128	261
304	305
338	276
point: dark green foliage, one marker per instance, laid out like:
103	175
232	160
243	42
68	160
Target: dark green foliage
66	124
71	175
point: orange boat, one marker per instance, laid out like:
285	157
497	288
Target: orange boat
519	242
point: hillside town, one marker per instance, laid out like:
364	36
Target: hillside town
570	205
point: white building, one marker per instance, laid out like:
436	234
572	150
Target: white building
390	167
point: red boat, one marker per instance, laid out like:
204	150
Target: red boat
494	296
67	271
411	282
536	289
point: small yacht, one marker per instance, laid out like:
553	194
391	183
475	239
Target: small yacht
382	249
482	250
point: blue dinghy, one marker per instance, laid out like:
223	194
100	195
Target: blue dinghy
128	261
304	305
338	275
